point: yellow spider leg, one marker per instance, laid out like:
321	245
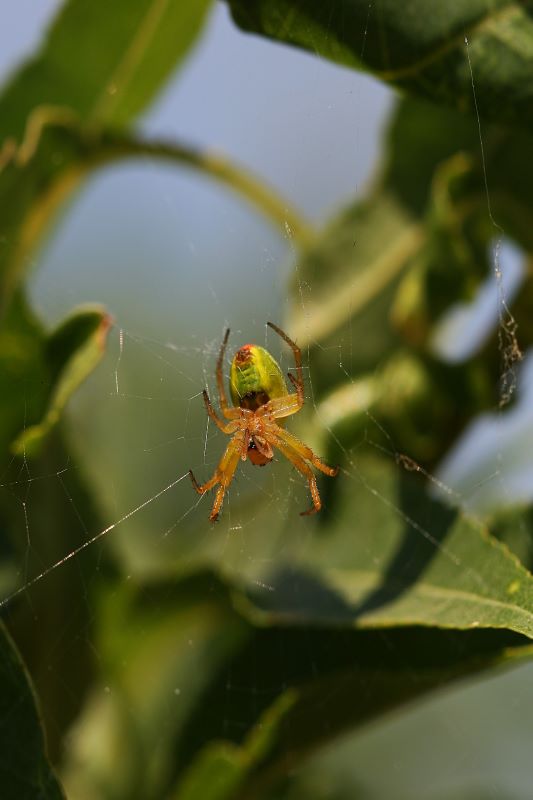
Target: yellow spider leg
244	445
301	449
280	406
223	474
297	382
228	412
305	469
229	428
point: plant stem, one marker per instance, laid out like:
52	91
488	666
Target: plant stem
284	216
84	149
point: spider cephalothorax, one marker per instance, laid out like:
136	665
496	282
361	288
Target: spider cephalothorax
260	398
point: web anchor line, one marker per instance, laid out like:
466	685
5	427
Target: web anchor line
510	351
88	543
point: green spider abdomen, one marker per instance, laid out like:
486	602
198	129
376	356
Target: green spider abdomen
255	377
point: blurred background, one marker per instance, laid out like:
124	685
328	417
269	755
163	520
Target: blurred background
176	258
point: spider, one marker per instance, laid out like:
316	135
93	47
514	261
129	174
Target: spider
260	398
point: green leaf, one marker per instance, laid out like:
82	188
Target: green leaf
376	675
391	555
369	294
417	47
47	512
311	684
99	66
161	645
350	273
72	352
385	602
102	62
350	268
23	371
39	372
25	773
221	768
514	527
227	707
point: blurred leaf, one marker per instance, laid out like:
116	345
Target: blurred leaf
39	372
162	647
72	351
25	773
427	563
34	181
226	708
418	49
209	690
350	276
23	372
221	768
420	211
100	65
376	283
514	527
46	512
103	62
57	152
377	675
215	775
351	265
303	687
421	403
479	195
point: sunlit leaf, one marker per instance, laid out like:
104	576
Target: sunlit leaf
514	527
390	554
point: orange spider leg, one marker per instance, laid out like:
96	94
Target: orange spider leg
305	469
230	427
223	474
302	450
297	382
228	412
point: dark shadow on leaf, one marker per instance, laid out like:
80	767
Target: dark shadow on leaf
296	594
427	523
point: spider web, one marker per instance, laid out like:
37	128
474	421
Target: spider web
175	282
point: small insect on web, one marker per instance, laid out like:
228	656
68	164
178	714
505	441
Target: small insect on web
260	397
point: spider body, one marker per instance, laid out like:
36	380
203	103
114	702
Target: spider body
255	378
261	401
